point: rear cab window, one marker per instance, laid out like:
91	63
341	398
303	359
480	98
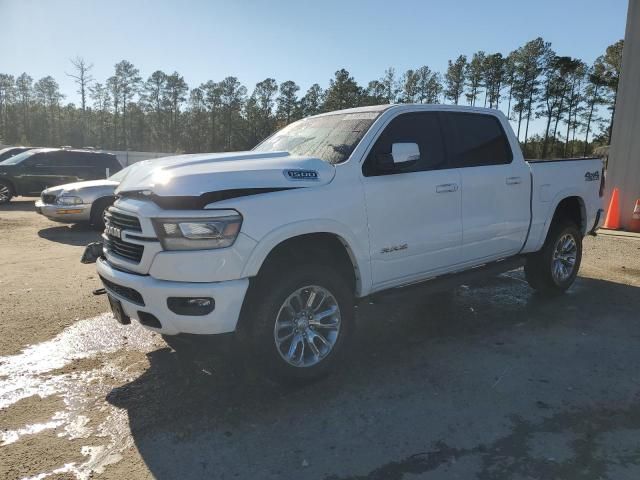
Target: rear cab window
475	139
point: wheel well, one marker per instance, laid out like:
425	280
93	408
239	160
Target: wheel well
99	203
571	208
326	248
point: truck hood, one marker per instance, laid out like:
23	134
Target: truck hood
79	187
199	175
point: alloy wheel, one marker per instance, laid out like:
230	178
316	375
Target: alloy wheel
307	326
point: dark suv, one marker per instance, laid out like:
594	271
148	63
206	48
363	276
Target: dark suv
30	172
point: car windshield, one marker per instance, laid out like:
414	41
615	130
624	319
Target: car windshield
331	138
18	158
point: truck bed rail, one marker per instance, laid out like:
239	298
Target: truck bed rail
552	160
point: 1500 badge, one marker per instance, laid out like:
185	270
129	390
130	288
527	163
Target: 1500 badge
301	174
592	176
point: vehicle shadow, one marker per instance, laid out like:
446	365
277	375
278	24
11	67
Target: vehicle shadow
450	368
22	205
78	234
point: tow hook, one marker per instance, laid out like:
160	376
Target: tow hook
92	252
99	291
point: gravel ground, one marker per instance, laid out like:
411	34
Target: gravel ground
491	382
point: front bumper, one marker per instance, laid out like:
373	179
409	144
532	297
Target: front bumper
64	213
228	296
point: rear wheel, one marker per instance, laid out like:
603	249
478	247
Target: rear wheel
300	321
6	192
553	269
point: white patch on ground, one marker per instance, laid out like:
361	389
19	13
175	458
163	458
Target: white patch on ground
28	373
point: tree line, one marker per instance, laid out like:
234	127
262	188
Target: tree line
575	103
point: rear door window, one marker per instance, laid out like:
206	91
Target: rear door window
473	140
68	159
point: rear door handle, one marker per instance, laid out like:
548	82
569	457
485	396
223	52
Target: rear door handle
446	187
514	180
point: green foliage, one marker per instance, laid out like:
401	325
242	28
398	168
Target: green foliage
162	114
455	79
343	92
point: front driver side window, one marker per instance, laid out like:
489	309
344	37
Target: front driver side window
422	128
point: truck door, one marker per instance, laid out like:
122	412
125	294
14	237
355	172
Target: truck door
495	188
413	211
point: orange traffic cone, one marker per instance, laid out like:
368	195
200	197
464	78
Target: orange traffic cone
612	222
634	226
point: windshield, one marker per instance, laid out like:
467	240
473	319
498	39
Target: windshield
331	138
18	158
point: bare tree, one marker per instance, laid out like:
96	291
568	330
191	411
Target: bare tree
82	77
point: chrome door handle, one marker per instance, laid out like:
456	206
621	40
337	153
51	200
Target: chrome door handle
514	180
446	187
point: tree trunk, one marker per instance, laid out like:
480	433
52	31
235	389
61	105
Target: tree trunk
546	133
526	131
613	114
591	107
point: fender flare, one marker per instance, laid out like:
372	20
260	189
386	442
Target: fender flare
559	197
356	249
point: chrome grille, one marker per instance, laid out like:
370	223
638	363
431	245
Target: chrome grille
123	221
117	246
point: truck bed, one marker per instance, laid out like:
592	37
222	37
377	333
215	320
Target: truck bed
554	180
553	160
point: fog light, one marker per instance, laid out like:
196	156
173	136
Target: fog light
191	305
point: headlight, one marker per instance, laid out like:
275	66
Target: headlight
68	200
197	233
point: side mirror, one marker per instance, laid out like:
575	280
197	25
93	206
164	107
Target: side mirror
405	154
402	155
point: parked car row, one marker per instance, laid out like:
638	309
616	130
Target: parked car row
74	185
33	170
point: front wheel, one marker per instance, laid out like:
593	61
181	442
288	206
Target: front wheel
300	321
6	192
553	269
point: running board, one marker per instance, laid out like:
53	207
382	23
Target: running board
449	281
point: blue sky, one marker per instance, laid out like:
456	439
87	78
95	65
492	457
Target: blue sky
306	41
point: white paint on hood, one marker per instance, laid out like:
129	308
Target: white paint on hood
194	175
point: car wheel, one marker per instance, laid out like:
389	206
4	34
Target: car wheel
300	321
6	192
98	212
553	269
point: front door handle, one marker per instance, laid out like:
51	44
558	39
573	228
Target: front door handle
447	187
514	180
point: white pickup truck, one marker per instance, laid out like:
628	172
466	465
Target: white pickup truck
277	244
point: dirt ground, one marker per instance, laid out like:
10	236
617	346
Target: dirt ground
490	382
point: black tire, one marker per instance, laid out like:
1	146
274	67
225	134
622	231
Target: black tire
539	268
97	212
265	301
6	192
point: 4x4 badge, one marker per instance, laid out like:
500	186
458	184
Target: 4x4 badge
592	176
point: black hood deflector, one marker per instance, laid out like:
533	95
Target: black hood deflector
200	201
